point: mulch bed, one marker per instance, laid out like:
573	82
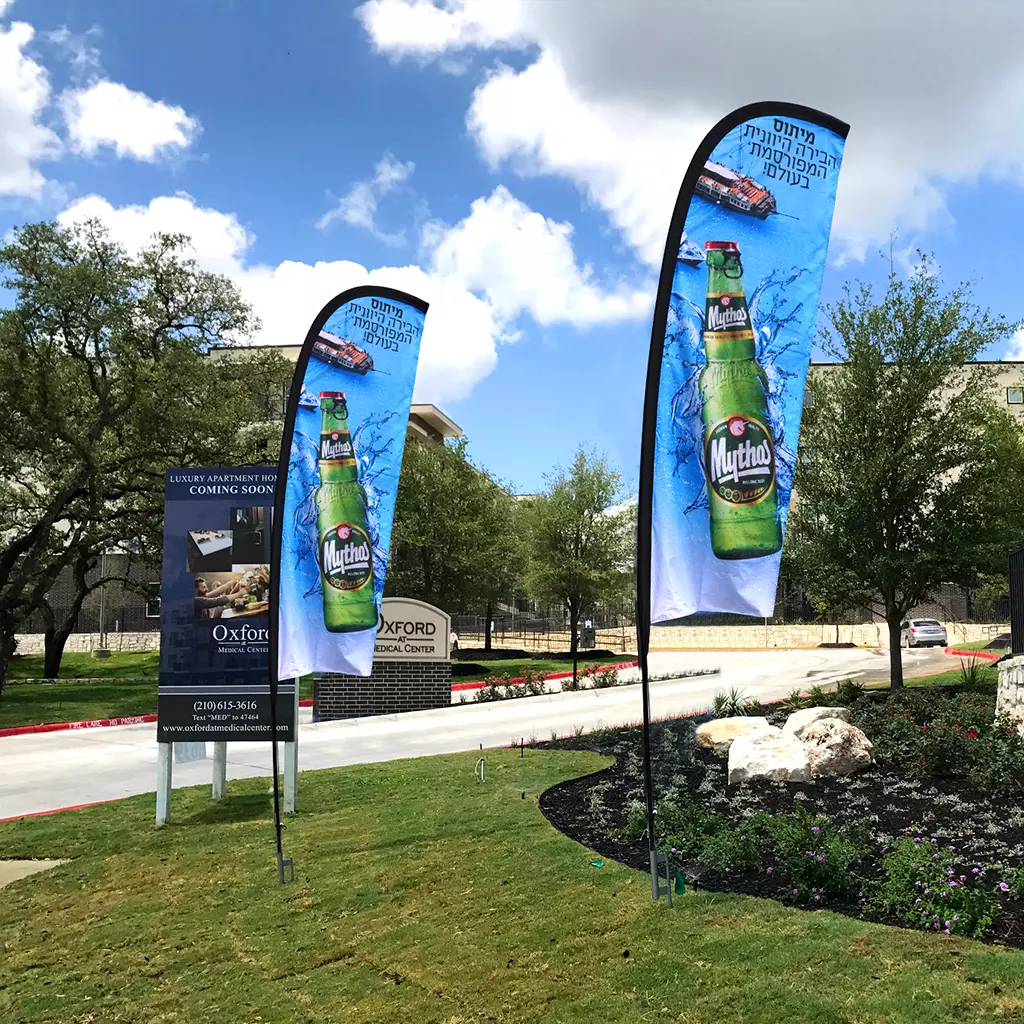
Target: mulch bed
984	830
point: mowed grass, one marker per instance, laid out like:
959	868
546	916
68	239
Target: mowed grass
78	665
43	703
422	895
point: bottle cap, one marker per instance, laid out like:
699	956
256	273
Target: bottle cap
721	245
332	394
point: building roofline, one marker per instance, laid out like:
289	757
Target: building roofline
435	419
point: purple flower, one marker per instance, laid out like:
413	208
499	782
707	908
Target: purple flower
1003	886
947	924
817	899
815	829
821	859
918	900
918	839
796	892
770	870
918	882
975	871
963	878
947	931
956	917
952	885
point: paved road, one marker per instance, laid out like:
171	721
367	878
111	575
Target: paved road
61	769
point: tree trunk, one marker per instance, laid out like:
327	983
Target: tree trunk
574	640
7	644
487	629
56	634
895	652
54	639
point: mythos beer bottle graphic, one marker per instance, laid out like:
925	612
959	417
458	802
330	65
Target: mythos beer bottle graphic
739	450
345	551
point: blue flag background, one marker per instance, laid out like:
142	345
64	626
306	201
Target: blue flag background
795	161
365	344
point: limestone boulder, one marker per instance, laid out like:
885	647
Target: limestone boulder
719	733
800	721
768	754
835	747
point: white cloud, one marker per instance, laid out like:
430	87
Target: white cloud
462	333
4	4
24	94
78	50
499	262
419	28
619	95
109	114
524	262
1015	346
359	206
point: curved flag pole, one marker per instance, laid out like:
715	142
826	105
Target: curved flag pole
645	501
280	487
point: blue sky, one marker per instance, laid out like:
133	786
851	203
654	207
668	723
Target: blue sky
526	157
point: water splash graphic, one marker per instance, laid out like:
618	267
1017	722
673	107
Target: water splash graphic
771	312
374	453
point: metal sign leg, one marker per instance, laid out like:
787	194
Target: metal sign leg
164	766
220	768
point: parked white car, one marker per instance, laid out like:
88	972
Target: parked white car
922	632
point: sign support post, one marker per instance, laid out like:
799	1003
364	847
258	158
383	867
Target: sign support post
220	768
164	767
291	763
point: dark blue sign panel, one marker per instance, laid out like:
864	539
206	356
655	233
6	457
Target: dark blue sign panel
214	629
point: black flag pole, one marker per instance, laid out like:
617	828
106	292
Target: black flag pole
645	498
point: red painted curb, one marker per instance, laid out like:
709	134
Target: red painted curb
59	810
97	723
479	684
984	655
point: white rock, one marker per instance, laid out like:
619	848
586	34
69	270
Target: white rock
720	732
799	721
768	754
835	747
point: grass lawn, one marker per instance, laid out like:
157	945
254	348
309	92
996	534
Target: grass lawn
39	703
422	895
982	645
76	665
514	666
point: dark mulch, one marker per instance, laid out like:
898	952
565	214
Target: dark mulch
984	830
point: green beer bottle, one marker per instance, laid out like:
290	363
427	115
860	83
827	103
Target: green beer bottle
345	550
739	451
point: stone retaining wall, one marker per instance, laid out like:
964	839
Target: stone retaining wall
32	643
1010	694
867	634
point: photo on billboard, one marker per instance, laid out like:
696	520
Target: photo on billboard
209	551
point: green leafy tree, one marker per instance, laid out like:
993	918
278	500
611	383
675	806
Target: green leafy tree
909	474
106	380
582	542
457	540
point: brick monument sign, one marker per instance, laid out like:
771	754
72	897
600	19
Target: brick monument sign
412	668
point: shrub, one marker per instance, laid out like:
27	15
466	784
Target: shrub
961	736
923	887
794	702
816	855
605	677
733	703
848	691
817	698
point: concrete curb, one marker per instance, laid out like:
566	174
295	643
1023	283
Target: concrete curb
984	655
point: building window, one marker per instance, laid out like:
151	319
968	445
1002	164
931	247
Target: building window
1015	396
152	600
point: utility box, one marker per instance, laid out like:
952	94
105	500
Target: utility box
588	637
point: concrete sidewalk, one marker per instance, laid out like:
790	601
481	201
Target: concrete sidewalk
54	770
